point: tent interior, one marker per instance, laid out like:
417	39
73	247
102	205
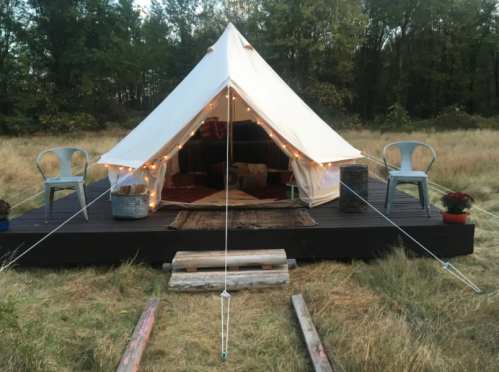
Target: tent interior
258	168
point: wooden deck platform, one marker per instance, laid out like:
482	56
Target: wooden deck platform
338	235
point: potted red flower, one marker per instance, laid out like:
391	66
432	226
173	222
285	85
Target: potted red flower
4	215
455	204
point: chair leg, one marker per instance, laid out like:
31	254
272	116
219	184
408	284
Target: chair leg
421	194
387	192
81	197
426	197
51	201
47	190
391	195
86	197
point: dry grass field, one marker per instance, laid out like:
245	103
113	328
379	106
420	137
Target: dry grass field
392	314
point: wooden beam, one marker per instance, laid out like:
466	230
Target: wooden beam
214	280
133	353
200	259
314	345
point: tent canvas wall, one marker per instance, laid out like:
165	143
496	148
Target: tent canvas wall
232	65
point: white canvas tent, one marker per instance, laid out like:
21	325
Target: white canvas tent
232	64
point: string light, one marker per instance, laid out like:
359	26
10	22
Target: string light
271	134
296	155
329	164
179	147
166	157
248	109
107	165
283	145
145	166
192	133
226	96
152	194
151	205
130	169
211	105
146	179
258	122
121	168
202	122
234	98
321	164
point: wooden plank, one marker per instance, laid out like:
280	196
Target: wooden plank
214	280
184	260
312	340
135	349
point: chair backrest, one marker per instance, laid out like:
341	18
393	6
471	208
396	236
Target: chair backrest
64	154
406	150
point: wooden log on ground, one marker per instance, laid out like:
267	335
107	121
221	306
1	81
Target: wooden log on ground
214	280
314	345
200	259
133	353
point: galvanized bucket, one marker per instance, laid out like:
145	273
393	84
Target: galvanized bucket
130	207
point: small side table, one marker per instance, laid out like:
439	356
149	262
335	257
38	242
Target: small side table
292	191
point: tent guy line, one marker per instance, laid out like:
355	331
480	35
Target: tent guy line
394	167
62	224
446	265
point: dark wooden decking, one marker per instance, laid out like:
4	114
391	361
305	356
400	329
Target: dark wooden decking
338	235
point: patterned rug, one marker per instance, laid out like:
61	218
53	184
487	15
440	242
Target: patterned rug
243	219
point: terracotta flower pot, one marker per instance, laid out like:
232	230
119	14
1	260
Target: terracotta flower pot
454	218
4	225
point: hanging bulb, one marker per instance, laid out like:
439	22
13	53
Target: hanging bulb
192	133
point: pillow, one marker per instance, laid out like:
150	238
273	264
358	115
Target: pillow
236	173
212	129
257	169
254	181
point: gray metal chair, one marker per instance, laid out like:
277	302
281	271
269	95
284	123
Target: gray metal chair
66	181
407	175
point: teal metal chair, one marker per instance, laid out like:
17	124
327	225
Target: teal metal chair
66	181
407	175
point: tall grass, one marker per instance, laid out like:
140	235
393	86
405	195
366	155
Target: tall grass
393	314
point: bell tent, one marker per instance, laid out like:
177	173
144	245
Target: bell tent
233	83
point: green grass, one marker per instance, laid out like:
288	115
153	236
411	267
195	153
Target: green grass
392	314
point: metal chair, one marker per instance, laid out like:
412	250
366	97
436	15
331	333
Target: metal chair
66	181
407	175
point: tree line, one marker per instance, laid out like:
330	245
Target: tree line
88	64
